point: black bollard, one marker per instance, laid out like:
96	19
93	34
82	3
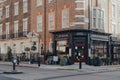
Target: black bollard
14	67
38	61
80	62
14	64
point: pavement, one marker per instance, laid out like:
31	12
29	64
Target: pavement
85	68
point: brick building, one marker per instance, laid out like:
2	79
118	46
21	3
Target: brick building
64	27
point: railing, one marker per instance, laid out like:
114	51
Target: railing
14	35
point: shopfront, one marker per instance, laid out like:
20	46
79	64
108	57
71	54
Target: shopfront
100	45
115	50
84	43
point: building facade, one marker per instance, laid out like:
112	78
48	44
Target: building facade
19	26
64	27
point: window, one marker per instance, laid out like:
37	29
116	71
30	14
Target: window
113	10
25	6
2	1
0	31
65	18
22	47
7	30
50	46
7	11
41	47
25	26
15	28
49	1
61	46
16	8
51	20
113	29
39	23
98	18
118	11
94	17
39	2
0	13
102	19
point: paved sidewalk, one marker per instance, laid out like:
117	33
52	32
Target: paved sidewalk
85	68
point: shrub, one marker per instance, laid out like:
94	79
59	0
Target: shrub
63	61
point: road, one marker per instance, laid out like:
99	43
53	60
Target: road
45	74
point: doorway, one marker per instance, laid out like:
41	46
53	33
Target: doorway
80	50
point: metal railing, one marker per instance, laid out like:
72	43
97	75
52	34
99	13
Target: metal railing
14	35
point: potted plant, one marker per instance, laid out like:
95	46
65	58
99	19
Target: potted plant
96	60
108	60
63	61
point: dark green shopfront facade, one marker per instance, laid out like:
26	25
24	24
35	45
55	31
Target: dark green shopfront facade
85	43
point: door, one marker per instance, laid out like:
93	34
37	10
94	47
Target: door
80	51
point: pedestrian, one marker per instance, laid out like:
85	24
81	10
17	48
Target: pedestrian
38	61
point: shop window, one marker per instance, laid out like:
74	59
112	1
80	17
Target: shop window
61	46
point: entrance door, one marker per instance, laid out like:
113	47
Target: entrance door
80	51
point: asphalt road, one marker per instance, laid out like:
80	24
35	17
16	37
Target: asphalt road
45	74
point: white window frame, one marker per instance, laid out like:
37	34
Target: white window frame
25	26
7	11
22	47
39	23
16	28
94	16
65	18
50	46
51	20
1	31
113	10
39	2
49	1
40	47
16	8
25	6
1	13
99	16
113	29
7	30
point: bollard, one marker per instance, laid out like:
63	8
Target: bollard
80	62
38	61
14	64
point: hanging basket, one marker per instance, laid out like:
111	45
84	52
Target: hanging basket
27	49
33	48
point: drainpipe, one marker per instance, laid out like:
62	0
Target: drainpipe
89	22
44	24
89	34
